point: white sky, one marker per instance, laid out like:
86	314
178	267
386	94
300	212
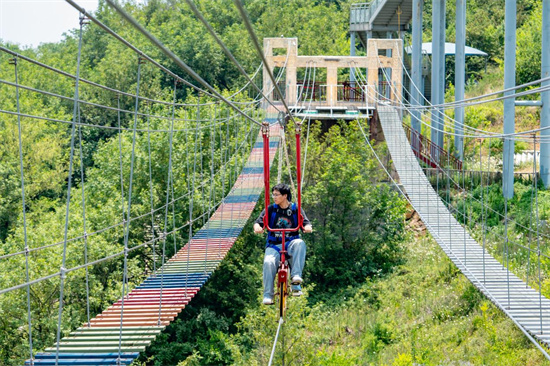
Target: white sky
31	22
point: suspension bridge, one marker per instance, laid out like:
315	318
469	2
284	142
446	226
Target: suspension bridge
222	162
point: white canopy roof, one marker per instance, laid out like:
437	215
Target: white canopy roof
450	49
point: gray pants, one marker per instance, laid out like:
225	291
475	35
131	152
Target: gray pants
297	251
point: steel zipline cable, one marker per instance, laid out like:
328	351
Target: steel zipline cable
254	38
176	59
131	46
281	321
283	137
226	50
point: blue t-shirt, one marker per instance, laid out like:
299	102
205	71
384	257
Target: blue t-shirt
282	218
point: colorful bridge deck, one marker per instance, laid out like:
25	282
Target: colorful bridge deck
151	306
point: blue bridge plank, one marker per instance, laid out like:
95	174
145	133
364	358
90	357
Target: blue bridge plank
83	359
171	286
180	275
182	281
82	362
218	233
242	198
50	355
253	170
175	280
261	144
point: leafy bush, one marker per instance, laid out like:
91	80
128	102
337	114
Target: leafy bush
358	221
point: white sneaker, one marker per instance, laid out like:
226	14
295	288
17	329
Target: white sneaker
296	280
267	301
297	293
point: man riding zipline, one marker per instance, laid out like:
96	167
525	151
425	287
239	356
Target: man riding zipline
283	214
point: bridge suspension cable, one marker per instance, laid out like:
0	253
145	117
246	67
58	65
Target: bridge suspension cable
464	102
87	235
404	106
119	128
118	254
499	214
24	208
486	134
67	212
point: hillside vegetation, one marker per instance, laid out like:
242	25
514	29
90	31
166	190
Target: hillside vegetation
375	293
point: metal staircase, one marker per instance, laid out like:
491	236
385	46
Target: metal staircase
378	17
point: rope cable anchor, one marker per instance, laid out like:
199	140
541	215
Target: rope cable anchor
265	128
282	118
84	19
63	272
298	127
